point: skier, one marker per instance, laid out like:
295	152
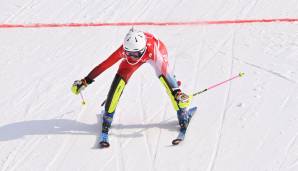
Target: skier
138	48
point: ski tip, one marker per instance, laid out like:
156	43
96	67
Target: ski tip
176	141
104	144
194	108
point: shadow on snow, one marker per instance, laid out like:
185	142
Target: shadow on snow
19	130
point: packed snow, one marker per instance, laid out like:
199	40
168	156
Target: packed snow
248	124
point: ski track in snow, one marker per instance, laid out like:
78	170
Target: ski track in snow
223	115
292	143
197	63
289	147
11	157
65	147
128	140
30	147
120	158
269	71
21	10
218	51
149	149
233	39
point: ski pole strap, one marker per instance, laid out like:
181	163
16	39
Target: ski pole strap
218	84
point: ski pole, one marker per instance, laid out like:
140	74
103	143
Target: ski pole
103	103
218	84
83	100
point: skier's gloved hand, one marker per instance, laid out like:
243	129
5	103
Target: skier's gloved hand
181	97
80	85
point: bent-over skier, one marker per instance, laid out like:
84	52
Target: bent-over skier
138	48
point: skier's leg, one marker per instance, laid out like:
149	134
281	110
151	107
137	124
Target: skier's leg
123	74
172	88
112	100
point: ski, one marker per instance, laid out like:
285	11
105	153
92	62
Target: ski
182	132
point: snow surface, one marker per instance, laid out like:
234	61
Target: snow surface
249	124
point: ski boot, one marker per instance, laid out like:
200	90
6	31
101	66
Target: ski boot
106	124
184	117
183	114
104	140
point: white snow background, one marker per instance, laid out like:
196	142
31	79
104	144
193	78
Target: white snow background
249	124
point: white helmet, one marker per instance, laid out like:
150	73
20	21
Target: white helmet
134	41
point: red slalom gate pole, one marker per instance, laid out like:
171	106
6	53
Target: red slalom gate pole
241	74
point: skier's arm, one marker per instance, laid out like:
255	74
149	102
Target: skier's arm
79	85
167	78
111	60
